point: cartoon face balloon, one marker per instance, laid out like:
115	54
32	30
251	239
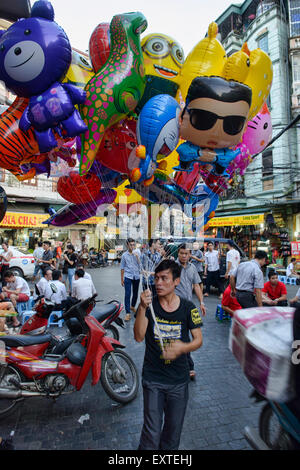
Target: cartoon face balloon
259	131
216	111
34	52
163	56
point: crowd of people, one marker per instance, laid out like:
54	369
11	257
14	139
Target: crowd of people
167	318
59	276
170	323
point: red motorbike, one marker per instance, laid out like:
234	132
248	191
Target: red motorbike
106	315
25	371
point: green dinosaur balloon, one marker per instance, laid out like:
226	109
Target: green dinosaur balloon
116	89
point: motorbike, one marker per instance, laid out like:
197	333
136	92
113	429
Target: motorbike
106	315
279	426
26	371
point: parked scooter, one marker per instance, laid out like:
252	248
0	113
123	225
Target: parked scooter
106	315
279	426
28	372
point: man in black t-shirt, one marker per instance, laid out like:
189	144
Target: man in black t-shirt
166	373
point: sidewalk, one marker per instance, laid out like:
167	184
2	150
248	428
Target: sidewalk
219	407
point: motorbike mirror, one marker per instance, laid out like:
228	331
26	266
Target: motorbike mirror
53	288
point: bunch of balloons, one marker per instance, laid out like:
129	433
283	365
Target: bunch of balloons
141	120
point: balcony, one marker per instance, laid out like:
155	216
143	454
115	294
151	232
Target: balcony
39	189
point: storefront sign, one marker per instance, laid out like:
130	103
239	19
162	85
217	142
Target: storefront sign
295	247
252	219
20	219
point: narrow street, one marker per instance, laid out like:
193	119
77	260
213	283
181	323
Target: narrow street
219	407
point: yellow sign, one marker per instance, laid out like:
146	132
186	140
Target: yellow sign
21	219
252	219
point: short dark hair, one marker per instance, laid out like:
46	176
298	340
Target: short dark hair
40	243
56	274
271	273
260	254
293	259
79	272
47	242
70	247
8	274
153	240
44	270
168	264
230	243
184	246
210	243
220	89
130	240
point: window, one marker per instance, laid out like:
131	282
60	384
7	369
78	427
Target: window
31	182
294	18
263	44
267	163
2	175
296	67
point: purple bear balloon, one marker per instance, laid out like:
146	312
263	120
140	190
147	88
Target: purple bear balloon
35	54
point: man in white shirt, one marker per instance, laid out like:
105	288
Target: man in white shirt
232	259
86	275
43	286
16	289
60	296
290	270
212	269
82	288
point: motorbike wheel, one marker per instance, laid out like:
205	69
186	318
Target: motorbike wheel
271	431
112	332
8	405
119	388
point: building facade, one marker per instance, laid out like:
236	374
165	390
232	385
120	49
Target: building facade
271	183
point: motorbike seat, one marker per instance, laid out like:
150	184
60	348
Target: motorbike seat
104	311
25	340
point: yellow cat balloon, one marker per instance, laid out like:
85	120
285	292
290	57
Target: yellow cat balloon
253	68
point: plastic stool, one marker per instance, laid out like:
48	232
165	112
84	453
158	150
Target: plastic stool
22	307
26	314
292	281
283	279
52	322
221	314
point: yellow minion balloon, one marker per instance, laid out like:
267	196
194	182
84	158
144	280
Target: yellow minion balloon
163	56
163	59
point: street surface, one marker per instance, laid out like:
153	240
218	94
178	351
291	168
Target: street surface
218	410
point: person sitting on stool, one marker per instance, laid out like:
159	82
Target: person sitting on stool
274	292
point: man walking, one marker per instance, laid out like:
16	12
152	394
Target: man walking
149	261
212	269
166	373
247	281
232	259
130	277
197	259
189	281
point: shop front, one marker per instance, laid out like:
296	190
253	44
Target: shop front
22	230
254	232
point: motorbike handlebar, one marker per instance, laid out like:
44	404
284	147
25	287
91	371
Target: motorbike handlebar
79	310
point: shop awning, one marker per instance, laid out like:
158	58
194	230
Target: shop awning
31	220
251	219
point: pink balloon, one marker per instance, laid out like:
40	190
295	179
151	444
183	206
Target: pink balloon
255	138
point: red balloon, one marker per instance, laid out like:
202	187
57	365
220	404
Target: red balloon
118	147
99	46
79	189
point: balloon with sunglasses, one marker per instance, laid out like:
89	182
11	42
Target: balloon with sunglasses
213	122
